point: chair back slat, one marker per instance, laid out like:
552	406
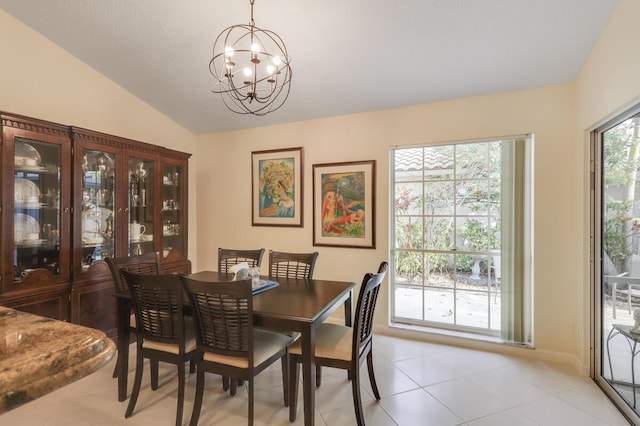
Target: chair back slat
158	306
292	265
230	257
223	313
363	327
145	264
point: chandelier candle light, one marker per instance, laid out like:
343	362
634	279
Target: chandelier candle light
251	68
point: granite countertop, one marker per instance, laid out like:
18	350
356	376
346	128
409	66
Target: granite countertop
39	355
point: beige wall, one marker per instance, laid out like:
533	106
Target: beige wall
559	117
547	112
608	84
38	79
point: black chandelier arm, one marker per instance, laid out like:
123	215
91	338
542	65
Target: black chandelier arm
239	107
233	88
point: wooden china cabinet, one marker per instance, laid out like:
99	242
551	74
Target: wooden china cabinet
36	216
83	197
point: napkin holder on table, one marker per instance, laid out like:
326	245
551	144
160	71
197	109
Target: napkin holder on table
240	271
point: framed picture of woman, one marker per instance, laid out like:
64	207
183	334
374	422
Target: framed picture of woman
277	187
344	204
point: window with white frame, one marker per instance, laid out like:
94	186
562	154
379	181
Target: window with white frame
461	236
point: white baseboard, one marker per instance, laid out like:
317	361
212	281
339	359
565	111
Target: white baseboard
475	341
485	343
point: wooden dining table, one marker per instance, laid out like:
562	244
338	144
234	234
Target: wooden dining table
294	305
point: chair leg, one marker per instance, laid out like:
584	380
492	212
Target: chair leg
225	383
181	384
372	376
154	374
233	386
357	400
250	402
285	378
614	298
318	376
136	384
294	378
115	369
192	366
197	403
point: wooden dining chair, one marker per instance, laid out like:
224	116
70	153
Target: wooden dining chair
292	265
163	334
145	264
230	257
228	344
226	259
343	347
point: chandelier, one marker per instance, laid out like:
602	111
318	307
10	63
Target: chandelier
251	68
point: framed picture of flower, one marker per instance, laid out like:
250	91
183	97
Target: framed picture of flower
277	187
344	204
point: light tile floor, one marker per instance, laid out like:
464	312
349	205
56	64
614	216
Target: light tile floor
420	384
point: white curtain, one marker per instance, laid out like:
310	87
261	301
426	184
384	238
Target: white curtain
516	241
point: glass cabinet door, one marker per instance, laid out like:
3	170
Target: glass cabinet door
173	209
97	223
141	200
36	212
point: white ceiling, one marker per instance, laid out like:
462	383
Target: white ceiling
347	55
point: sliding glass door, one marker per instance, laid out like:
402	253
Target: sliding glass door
616	269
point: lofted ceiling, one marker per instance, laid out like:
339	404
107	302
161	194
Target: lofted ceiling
347	56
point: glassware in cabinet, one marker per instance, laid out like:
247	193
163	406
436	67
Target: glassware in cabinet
97	208
141	199
173	209
37	215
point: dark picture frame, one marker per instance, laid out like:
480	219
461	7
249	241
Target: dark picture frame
277	187
344	204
